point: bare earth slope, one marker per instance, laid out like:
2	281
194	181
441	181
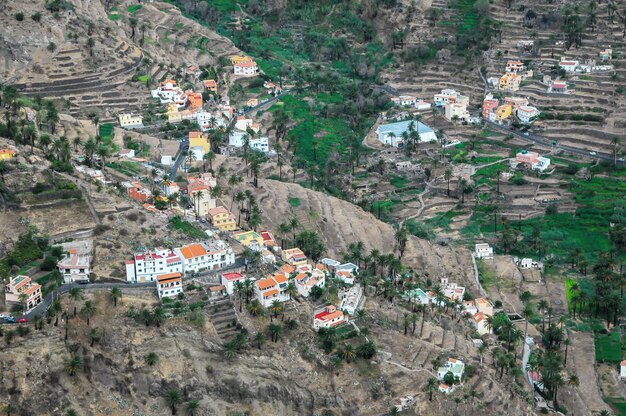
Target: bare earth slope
341	223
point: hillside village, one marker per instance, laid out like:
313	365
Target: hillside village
207	209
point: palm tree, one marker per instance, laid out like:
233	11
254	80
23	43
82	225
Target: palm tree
76	294
294	224
115	294
94	335
210	156
276	330
447	175
259	339
348	353
462	188
192	406
431	386
23	298
173	399
543	306
71	412
276	308
73	365
9	409
158	316
151	358
56	309
283	230
89	310
255	308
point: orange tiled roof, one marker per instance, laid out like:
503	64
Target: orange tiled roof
265	283
168	277
270	293
280	278
287	268
32	289
193	250
246	64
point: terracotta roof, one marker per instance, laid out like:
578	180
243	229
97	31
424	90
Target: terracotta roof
168	277
265	283
280	278
246	64
328	316
217	288
287	268
210	83
32	289
193	250
270	293
218	210
623	363
195	135
444	386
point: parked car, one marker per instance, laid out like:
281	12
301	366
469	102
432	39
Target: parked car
592	153
8	320
22	320
5	315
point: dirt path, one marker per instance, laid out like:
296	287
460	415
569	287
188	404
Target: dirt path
581	361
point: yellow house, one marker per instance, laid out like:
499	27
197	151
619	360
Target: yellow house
238	59
252	102
198	139
509	82
294	256
6	154
503	112
222	219
246	238
173	115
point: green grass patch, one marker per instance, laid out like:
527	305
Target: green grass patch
569	283
114	16
143	78
420	229
295	202
486	276
126	167
105	130
187	228
443	219
618	404
609	347
133	8
399	181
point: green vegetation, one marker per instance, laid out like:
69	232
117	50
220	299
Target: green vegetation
294	202
105	131
185	227
443	219
29	247
115	16
569	283
399	181
419	229
486	276
126	167
609	347
134	8
617	403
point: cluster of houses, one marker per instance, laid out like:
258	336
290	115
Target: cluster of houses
300	276
454	104
514	73
496	111
262	242
410	101
186	260
590	65
245	132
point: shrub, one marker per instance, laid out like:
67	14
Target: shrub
19	16
49	263
36	17
552	209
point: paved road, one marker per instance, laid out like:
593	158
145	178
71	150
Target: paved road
41	309
183	147
547	142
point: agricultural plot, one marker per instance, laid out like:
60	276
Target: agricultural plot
609	347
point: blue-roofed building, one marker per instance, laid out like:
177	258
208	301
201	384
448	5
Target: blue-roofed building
391	134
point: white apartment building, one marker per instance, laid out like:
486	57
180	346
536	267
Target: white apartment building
130	121
145	267
483	251
199	257
169	285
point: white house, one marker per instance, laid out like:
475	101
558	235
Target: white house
479	320
169	284
127	153
391	134
74	267
247	68
203	256
445	96
351	299
167	160
170	92
569	66
236	139
422	105
328	317
445	389
452	290
130	120
272	288
622	369
229	279
454	366
404	100
307	281
527	113
527	263
483	251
